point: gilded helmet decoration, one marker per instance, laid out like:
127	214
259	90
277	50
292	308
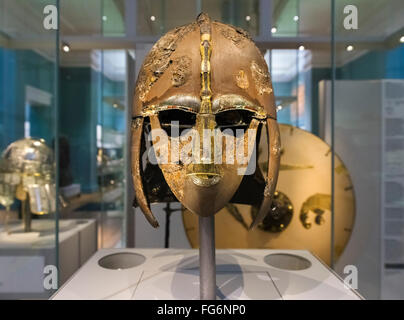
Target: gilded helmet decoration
199	83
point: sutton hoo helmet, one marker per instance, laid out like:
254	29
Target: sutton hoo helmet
27	170
198	85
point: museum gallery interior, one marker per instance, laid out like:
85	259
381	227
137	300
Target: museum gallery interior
202	149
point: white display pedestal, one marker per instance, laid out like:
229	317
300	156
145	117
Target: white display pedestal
23	256
174	274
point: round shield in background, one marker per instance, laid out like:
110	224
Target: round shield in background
301	212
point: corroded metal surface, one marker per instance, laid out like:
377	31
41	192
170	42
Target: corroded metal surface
237	36
201	71
261	78
242	80
158	59
181	70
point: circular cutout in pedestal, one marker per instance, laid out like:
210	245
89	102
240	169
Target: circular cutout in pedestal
287	261
122	260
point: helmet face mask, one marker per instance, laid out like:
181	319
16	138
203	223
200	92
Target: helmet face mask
203	92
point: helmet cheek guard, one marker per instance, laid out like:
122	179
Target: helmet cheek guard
137	133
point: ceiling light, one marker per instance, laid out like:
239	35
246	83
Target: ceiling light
302	48
65	47
402	39
247	18
296	18
279	107
153	18
349	48
274	29
104	18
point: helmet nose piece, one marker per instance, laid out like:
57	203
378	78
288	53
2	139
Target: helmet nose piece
204	174
205	127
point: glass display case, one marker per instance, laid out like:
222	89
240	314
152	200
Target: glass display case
365	129
28	107
337	69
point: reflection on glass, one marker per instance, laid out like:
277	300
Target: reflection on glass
93	124
368	114
81	17
113	18
292	81
111	147
155	18
93	18
27	169
239	13
295	18
285	18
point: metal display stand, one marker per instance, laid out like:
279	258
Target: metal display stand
26	215
207	260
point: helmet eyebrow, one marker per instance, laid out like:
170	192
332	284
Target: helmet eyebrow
220	103
234	102
188	103
184	100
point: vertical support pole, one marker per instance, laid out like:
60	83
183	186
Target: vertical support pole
207	260
26	215
333	79
56	114
130	18
167	229
198	7
265	15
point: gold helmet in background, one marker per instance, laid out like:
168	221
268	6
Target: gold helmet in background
205	76
27	171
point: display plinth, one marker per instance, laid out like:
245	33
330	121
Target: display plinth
24	255
167	274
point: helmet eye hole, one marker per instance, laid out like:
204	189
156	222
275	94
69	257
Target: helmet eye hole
175	121
237	119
